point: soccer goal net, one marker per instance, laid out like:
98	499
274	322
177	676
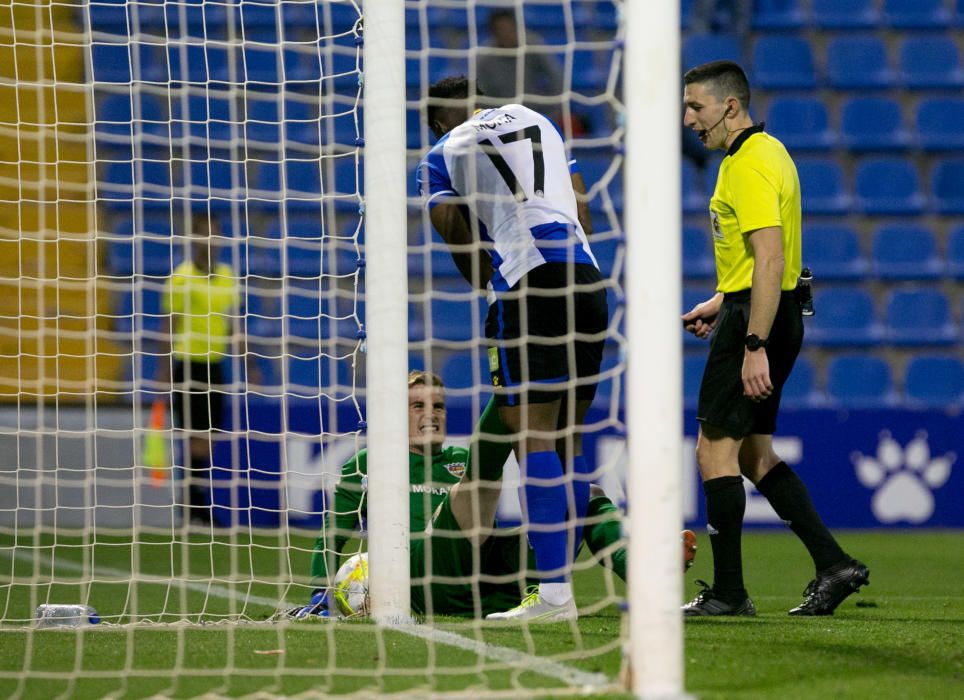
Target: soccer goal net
185	374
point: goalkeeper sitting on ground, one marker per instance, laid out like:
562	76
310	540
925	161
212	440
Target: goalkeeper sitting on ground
447	503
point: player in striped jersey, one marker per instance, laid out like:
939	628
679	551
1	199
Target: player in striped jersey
505	197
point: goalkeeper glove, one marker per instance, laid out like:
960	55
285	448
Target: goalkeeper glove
317	606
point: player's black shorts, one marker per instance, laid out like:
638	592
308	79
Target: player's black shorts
198	400
549	327
722	403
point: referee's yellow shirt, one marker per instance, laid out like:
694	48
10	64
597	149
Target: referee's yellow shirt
757	187
203	306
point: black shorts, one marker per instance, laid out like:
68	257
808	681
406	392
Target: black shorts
722	404
556	319
198	400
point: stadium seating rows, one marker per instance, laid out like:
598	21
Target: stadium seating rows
859	380
862	67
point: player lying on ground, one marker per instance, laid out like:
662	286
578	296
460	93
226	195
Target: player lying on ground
454	491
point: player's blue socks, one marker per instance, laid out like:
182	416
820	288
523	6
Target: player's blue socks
580	495
546	505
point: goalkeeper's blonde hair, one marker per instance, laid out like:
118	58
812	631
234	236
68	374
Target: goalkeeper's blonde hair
420	376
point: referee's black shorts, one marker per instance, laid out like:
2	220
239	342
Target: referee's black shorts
198	401
546	329
722	404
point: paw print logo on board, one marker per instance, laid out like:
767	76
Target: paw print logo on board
904	478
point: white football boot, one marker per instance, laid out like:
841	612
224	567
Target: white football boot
533	609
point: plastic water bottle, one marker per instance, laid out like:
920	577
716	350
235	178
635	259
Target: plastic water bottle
65	616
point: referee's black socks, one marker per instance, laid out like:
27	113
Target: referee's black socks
725	506
790	499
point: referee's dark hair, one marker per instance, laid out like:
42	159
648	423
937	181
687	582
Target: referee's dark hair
724	78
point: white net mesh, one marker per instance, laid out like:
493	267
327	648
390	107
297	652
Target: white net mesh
169	161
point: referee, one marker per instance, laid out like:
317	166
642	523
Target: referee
757	329
200	301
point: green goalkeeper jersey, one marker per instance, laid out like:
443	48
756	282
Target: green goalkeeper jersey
426	492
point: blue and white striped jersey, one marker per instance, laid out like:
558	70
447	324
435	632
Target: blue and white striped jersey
509	166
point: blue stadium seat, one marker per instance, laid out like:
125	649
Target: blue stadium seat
935	381
822	187
206	117
955	254
145	179
612	379
590	69
783	62
800	389
108	17
453	318
905	252
940	123
192	19
304	258
215	178
916	14
888	186
701	48
462	370
832	252
114	115
959	13
310	376
860	381
606	250
801	123
858	62
265	117
873	124
198	63
438	265
778	15
931	61
698	261
138	310
151	253
694	197
844	316
110	63
113	63
693	365
919	317
844	14
686	13
947	186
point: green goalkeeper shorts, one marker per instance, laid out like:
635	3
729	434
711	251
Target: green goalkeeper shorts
465	581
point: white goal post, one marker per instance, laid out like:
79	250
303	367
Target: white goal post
654	407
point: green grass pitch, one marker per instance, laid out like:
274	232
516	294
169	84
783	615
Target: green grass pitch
901	637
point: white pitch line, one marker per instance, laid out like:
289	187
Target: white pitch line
512	657
210	589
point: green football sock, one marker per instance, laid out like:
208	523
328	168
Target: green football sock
488	453
602	534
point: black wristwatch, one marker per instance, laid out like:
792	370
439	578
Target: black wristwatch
755	342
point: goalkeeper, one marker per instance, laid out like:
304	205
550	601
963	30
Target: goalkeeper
453	498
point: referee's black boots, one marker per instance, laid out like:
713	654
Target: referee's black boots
828	590
709	603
